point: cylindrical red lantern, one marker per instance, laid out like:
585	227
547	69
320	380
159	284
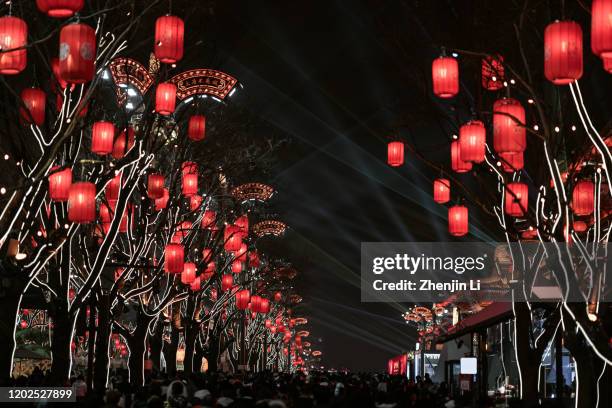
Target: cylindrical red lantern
165	98
236	266
123	143
174	258
472	139
102	137
441	190
607	63
13	35
189	273
189	167
264	307
395	154
227	281
196	284
583	198
241	254
493	72
516	199
82	202
196	129
445	77
601	28
242	223
190	185
59	184
511	161
242	299
256	303
77	53
162	202
232	238
169	38
509	134
580	226
458	220
254	261
155	186
60	8
563	52
195	201
35	101
457	164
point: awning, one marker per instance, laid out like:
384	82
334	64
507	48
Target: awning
494	313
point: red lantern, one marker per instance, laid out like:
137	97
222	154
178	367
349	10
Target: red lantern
189	167
278	297
563	52
256	303
189	273
162	202
208	219
59	183
445	76
175	258
493	73
196	130
121	145
511	161
241	254
580	226
102	136
264	306
106	213
601	28
190	185
242	299
395	154
195	201
23	324
516	200
59	8
196	284
34	100
77	53
268	323
82	202
458	220
254	261
583	198
607	63
232	238
155	186
457	164
236	266
169	37
509	134
472	139
165	98
13	35
227	281
441	190
242	223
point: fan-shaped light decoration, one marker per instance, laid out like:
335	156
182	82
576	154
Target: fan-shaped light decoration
82	202
252	191
458	220
472	139
511	161
563	52
601	28
174	258
35	101
102	137
493	72
445	77
227	281
457	164
209	219
189	273
509	134
269	227
441	190
232	238
583	198
162	202
242	299
169	38
190	184
196	128
516	200
395	154
59	183
165	98
155	186
59	8
77	53
13	36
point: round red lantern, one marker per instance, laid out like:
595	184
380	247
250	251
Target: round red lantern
583	198
162	202
175	258
77	53
493	72
601	28
509	134
189	273
563	52
190	185
458	220
82	202
457	164
472	139
209	219
155	186
511	161
13	35
445	77
227	281
242	299
236	266
232	238
395	154
59	183
441	190
59	8
196	129
516	199
169	38
165	98
35	101
102	137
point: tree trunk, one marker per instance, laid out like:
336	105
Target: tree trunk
169	351
190	338
61	345
137	343
102	344
8	306
212	354
155	343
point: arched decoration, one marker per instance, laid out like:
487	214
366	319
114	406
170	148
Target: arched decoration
203	81
129	72
269	227
285	272
252	191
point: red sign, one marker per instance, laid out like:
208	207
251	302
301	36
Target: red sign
203	81
398	365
